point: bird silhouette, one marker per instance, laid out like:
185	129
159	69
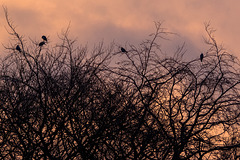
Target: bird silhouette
41	43
44	38
123	50
18	48
201	57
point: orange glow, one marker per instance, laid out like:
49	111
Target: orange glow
93	21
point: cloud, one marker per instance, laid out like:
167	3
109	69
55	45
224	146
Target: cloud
130	21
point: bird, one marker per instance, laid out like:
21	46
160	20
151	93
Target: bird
123	50
44	38
41	43
201	57
18	48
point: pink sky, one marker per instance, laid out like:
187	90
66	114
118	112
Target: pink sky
125	21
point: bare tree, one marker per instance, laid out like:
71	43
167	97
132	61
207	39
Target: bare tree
190	108
65	102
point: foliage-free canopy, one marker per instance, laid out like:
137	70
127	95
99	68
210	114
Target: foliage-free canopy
58	103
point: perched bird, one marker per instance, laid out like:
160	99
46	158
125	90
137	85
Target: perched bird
18	48
44	38
201	57
41	43
123	50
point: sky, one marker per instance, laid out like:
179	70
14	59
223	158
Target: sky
126	21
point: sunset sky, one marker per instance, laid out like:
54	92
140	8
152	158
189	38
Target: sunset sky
126	22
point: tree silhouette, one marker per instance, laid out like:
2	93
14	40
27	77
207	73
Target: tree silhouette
59	103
